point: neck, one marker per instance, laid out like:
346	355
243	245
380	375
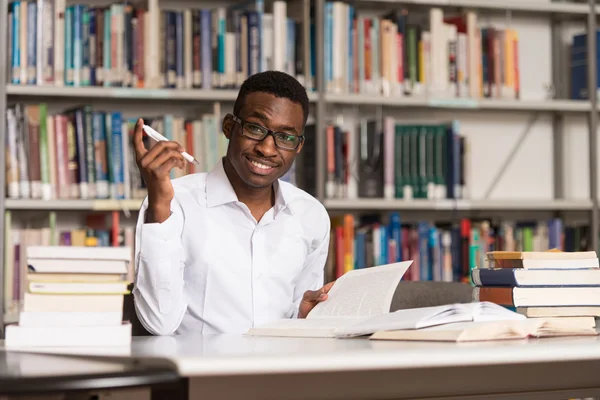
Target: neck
253	197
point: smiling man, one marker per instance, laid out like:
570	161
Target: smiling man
223	251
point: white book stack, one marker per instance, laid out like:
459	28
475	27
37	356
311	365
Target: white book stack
74	298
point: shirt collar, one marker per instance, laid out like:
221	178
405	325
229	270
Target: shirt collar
219	190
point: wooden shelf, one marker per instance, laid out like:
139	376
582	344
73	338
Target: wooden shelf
449	205
95	92
507	5
461	104
89	205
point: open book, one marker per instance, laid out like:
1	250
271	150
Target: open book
355	295
359	304
498	330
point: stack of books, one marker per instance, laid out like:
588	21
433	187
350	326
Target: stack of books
73	297
541	284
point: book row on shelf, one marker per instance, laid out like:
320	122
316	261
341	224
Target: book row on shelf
400	52
419	53
122	45
83	153
389	159
440	251
96	230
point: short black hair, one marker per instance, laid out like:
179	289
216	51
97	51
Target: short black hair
276	83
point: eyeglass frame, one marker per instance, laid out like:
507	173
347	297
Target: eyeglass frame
241	121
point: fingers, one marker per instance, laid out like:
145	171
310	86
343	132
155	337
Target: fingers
314	295
165	156
156	150
138	142
327	287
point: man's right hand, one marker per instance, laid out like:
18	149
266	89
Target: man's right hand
155	166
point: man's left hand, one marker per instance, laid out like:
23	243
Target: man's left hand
311	298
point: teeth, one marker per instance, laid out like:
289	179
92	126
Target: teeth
259	165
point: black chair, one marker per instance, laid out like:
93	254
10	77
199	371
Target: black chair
414	294
137	329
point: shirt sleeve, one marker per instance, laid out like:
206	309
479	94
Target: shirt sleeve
313	273
160	301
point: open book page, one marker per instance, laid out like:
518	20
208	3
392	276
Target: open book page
362	292
495	330
319	327
487	311
418	318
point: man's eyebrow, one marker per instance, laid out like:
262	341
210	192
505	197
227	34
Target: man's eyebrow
264	118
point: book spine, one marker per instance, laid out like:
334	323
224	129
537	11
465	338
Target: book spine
32	26
85	74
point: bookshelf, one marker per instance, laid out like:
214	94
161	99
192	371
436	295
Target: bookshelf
557	107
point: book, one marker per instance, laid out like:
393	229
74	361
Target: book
73	336
535	277
568	311
355	295
539	296
359	304
496	330
542	259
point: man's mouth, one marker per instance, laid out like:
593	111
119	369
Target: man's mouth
261	168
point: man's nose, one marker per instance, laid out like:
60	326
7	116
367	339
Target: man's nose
267	146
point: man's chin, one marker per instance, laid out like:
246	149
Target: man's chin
259	182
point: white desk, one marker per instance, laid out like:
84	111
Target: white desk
233	367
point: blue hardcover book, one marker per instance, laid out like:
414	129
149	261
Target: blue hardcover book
16	47
77	44
85	46
360	246
92	49
434	254
106	52
290	59
100	157
69	46
31	42
206	49
253	42
328	58
221	30
579	66
383	238
424	260
555	229
396	234
117	156
456	254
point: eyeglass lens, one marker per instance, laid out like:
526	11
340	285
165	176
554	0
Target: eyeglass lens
282	139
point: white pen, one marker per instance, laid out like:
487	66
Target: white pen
160	138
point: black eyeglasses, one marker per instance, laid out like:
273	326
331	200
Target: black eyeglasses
285	141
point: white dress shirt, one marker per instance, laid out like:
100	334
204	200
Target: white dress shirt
211	268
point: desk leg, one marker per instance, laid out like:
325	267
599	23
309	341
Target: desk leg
179	390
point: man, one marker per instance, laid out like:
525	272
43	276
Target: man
223	251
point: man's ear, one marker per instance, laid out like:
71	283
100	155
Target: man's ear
300	146
227	126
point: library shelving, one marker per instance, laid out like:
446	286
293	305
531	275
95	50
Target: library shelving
311	49
564	106
74	204
524	6
449	205
126	93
